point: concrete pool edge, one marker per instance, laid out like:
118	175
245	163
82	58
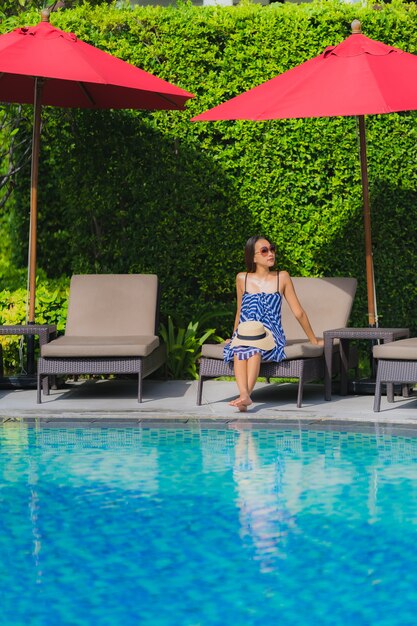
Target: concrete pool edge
115	402
216	423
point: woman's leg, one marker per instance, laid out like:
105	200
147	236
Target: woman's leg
246	373
254	365
241	375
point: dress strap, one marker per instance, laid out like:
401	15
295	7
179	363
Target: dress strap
246	278
277	281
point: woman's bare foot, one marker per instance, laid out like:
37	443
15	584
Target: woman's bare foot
235	402
243	403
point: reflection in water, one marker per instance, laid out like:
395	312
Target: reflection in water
264	517
33	513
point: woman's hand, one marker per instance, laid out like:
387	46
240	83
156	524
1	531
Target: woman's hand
317	341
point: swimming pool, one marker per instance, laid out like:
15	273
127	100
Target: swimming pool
206	526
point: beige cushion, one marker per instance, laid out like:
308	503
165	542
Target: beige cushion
294	350
87	346
302	349
402	350
213	350
112	304
327	302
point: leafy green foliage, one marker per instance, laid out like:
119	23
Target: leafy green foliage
184	348
138	191
51	308
12	8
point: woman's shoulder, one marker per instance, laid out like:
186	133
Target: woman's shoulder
240	282
284	275
284	280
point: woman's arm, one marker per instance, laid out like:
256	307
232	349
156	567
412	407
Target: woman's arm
240	287
295	306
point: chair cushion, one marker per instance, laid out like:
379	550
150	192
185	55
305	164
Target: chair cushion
302	350
293	350
327	302
401	350
112	304
213	350
73	346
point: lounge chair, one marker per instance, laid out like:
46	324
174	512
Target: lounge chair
112	328
328	303
396	363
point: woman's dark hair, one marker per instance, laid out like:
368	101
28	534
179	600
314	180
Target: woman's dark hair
250	251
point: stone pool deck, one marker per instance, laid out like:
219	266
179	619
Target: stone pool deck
115	400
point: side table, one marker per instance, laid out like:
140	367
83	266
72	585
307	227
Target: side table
345	335
46	332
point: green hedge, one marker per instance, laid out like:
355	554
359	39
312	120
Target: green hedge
51	308
151	192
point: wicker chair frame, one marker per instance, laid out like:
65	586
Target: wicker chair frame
50	367
142	366
305	370
391	371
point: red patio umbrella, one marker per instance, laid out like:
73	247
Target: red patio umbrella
358	77
42	65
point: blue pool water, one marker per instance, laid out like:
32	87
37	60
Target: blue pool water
202	527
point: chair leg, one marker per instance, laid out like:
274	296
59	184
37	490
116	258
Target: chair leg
405	390
140	380
390	392
300	391
377	397
200	390
45	384
38	389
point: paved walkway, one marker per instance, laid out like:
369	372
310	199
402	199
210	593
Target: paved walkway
115	400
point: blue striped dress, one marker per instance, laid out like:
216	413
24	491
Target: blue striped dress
266	308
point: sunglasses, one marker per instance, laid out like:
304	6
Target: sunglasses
265	249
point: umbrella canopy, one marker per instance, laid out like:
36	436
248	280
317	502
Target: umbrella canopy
42	65
76	74
360	76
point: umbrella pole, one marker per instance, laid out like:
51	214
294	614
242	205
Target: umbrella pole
34	218
370	281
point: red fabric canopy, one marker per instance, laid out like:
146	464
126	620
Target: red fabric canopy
359	76
77	74
42	65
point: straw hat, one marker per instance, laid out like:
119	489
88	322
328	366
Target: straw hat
254	334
